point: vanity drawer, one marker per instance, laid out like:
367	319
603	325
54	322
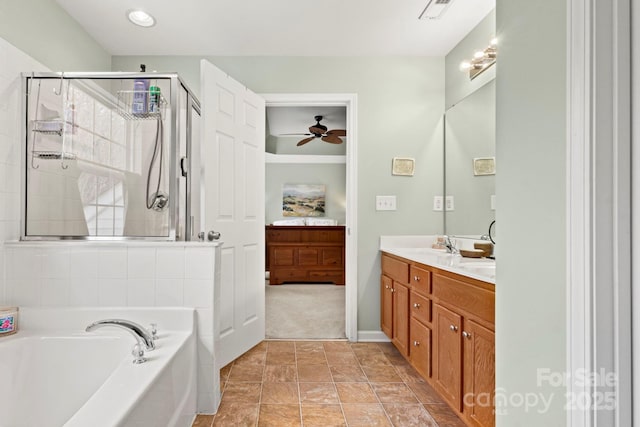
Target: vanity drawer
420	280
420	308
396	269
466	296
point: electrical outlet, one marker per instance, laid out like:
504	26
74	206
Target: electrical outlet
493	202
448	203
437	203
385	203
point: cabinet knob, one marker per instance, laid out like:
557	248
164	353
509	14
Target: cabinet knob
454	328
392	290
386	286
466	334
416	278
416	305
416	343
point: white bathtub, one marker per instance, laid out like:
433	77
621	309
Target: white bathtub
53	373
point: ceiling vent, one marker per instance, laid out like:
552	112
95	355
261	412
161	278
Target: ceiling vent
435	9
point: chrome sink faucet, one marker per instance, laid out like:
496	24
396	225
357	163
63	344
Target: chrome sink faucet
449	245
144	339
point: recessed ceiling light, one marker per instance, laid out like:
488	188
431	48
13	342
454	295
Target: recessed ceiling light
141	18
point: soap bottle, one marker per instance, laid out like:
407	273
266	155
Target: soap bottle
140	92
154	99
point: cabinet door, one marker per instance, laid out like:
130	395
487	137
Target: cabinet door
401	318
479	373
447	360
386	306
420	342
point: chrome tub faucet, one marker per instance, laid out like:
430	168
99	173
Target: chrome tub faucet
144	339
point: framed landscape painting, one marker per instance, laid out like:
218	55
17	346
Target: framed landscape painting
303	200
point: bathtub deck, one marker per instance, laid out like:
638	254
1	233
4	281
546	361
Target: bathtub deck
321	383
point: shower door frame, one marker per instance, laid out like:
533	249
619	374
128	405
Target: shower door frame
175	83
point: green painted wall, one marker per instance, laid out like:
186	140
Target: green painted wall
44	31
400	106
531	210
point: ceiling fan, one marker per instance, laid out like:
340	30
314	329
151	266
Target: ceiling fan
320	131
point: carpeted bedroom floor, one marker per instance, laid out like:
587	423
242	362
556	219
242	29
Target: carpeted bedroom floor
309	311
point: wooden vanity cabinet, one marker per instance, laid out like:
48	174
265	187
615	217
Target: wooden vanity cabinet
449	320
395	302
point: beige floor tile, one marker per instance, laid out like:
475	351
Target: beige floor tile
425	393
321	393
356	393
373	359
281	346
408	415
314	373
279	416
443	415
311	357
408	374
365	415
280	373
322	416
341	359
349	374
394	393
242	392
384	373
203	421
280	393
246	373
281	358
333	346
235	414
309	346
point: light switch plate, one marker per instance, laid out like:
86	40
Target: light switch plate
448	203
385	203
437	203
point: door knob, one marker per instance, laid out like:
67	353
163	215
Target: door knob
213	235
453	328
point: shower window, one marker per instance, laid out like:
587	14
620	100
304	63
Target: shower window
101	156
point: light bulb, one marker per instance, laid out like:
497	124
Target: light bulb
479	54
493	42
465	65
141	18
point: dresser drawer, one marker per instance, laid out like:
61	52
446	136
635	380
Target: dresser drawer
336	276
420	280
420	307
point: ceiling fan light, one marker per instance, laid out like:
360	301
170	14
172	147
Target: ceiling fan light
141	18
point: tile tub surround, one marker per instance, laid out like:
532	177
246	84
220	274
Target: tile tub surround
122	274
418	249
326	383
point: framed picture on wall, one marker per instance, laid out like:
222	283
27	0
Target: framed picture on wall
303	200
484	166
403	166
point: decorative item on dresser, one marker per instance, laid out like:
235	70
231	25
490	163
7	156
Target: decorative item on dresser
305	254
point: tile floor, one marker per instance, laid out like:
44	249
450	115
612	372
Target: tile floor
326	383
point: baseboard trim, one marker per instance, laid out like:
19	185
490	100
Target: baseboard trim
372	336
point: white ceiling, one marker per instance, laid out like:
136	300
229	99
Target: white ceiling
277	27
282	120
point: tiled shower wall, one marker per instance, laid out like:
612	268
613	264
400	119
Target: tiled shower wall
95	274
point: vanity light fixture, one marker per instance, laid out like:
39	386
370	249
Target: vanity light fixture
435	9
481	60
140	18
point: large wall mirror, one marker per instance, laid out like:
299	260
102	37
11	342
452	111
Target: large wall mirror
470	163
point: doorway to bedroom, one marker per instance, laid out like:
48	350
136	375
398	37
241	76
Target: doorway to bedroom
309	203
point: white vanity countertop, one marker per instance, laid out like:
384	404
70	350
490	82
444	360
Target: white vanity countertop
418	249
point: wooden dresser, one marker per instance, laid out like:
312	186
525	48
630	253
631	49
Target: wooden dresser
305	254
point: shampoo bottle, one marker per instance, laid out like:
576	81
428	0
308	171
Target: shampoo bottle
140	96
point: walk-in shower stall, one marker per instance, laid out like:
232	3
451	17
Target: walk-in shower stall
108	156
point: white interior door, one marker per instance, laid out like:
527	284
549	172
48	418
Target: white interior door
233	143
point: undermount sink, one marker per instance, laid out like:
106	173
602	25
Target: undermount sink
481	269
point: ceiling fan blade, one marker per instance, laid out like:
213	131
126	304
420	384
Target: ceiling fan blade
317	130
337	132
332	139
295	134
304	141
